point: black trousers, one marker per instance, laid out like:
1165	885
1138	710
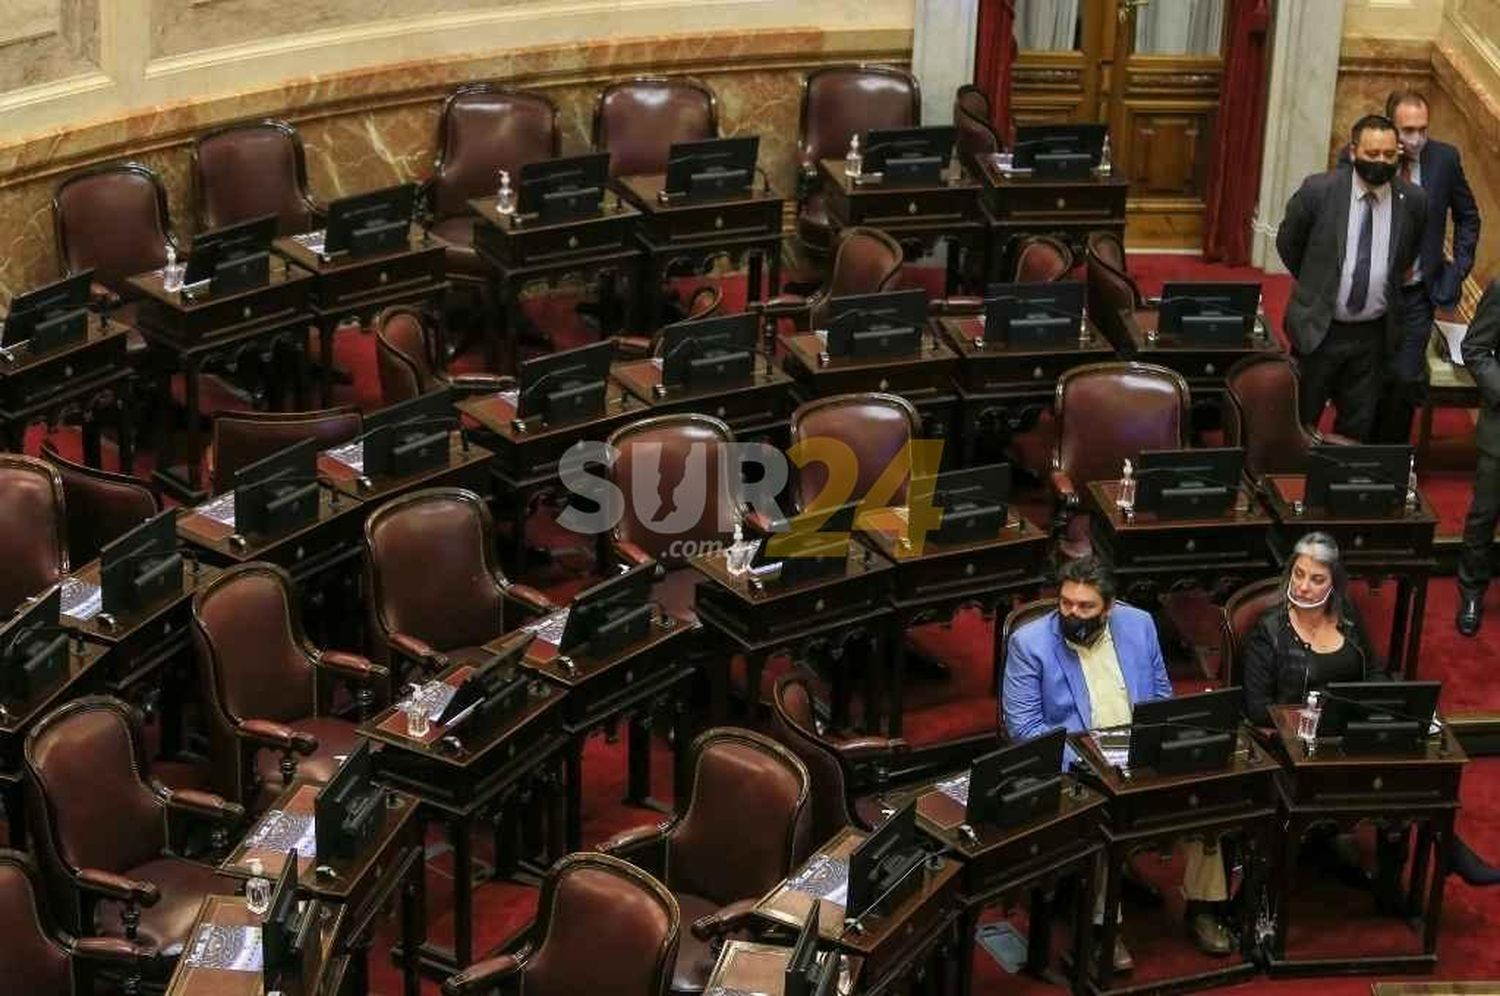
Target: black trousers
1484	513
1348	367
1406	373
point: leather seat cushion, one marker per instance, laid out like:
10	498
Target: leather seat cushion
183	885
458	234
695	959
335	737
812	223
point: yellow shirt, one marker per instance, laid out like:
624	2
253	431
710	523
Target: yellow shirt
1109	700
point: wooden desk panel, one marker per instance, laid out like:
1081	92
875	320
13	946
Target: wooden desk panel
464	468
762	405
1068	208
34	386
231	911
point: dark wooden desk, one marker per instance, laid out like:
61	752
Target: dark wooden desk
466	467
1017	206
1399	546
890	947
923	214
353	289
231	911
1147	809
523	252
462	776
1203	366
998	864
755	409
840	620
687	234
356	882
932	581
1449	385
85	377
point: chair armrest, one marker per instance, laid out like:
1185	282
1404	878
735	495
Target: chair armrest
480	383
355	667
631	347
956	306
645	847
1331	438
630	554
118	887
275	736
205	804
528	598
418	651
482	976
725	920
112	950
859	750
1150	302
782	305
103	296
1063	489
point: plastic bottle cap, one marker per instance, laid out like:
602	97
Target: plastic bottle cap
256	868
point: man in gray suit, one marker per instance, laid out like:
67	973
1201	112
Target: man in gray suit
1349	237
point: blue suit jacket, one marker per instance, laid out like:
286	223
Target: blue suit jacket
1044	686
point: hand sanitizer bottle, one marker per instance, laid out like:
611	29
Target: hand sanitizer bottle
1411	484
854	160
257	889
1307	722
1126	498
505	202
1105	166
171	274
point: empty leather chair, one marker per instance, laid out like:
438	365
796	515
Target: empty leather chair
867	261
404	348
1261	414
435	589
977	135
112	219
33	544
877	427
101	506
637	120
1107	413
838	102
687	452
603	927
704	302
252	169
40	959
104	828
1041	259
268	689
1111	289
1241	611
737	835
241	438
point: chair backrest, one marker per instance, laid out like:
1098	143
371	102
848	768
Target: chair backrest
429	559
31	960
482	129
1242	610
977	135
401	355
1110	288
251	169
839	101
247	629
741	780
678	457
604	927
1107	413
33	549
241	438
101	506
113	219
794	725
86	765
1107	248
876	427
1261	414
866	260
1042	259
637	120
1014	620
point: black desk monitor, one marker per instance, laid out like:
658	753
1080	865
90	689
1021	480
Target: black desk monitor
346	811
371	223
409	436
1017	784
563	189
142	566
714	167
1034	315
567	386
908	155
33	648
1059	149
1358	480
287	933
888	323
51	316
881	867
1377	716
279	493
1209	314
612	614
493	687
232	258
1187	733
812	544
712	352
1189	484
973	501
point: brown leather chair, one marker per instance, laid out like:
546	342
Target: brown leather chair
1111	289
977	135
105	828
1014	620
1105	414
404	349
868	260
704	302
668	441
435	589
706	855
102	506
241	438
112	219
252	169
637	120
603	927
33	548
268	689
838	102
1041	259
1261	414
1242	610
482	129
877	427
40	959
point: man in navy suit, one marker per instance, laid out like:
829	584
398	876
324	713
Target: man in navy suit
1084	666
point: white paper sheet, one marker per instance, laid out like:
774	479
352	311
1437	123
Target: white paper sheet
1453	336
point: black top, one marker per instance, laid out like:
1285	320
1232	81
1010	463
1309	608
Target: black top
1278	667
1343	664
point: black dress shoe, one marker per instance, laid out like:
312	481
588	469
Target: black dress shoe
1463	862
1470	612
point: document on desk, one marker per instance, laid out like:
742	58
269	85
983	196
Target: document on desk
1114	745
1453	336
549	628
351	455
823	877
281	831
956	788
220	509
81	600
227	948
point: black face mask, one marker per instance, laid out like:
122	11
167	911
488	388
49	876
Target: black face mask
1083	632
1374	172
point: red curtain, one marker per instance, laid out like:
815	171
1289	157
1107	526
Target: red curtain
1234	179
994	54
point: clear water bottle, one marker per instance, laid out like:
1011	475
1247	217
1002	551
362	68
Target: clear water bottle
854	160
505	201
1307	721
1105	167
171	274
1411	484
737	561
1125	500
257	889
415	707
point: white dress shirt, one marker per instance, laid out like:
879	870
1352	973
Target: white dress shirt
1380	245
